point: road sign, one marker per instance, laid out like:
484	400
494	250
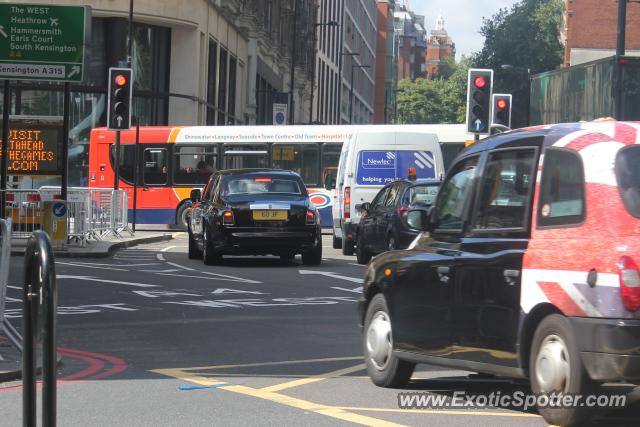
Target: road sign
280	114
43	42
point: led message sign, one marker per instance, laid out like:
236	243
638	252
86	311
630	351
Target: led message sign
34	147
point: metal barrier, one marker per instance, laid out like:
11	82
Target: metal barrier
39	297
24	210
92	213
5	253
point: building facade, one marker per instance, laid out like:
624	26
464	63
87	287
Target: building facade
386	63
213	62
412	43
439	48
590	30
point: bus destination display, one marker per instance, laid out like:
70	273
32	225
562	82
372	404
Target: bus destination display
34	148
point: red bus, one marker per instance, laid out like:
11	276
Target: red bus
174	160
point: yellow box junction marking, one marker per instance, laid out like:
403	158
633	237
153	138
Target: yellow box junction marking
345	413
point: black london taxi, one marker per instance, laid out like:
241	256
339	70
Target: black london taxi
527	267
254	212
382	226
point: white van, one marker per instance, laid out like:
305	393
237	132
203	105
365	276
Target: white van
369	160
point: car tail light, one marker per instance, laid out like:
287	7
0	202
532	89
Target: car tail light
403	211
629	283
311	218
227	218
347	202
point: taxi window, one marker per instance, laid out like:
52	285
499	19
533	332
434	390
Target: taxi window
628	175
455	195
506	190
562	190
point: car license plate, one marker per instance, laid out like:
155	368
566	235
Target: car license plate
270	215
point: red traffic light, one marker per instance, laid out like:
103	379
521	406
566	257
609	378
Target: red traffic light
480	82
120	80
501	104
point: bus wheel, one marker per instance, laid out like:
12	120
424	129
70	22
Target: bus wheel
181	216
555	367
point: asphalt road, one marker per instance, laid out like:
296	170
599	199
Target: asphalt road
149	337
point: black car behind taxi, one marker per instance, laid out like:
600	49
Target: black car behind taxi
254	212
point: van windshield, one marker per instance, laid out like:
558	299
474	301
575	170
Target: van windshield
628	174
383	167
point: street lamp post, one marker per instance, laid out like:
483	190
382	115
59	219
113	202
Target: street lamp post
313	66
353	67
528	71
293	63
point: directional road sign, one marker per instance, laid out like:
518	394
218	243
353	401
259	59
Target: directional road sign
43	42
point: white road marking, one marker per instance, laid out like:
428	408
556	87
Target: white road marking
240	279
170	270
160	257
91	266
94	279
181	266
228	278
110	265
356	264
357	290
168	248
332	275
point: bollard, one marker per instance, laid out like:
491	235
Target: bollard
39	310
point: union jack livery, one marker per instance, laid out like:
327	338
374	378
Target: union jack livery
529	268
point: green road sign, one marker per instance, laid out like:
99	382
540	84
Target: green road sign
43	42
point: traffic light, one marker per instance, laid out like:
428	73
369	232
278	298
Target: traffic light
119	108
479	84
501	109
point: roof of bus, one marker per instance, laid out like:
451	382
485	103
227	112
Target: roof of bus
277	134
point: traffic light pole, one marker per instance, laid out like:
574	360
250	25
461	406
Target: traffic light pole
5	146
116	179
65	142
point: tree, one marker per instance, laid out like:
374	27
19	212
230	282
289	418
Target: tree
441	100
526	37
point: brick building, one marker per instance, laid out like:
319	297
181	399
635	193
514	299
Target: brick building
439	47
412	46
386	63
590	30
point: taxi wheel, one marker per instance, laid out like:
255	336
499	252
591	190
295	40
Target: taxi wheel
383	367
347	246
181	217
313	256
362	255
209	254
194	251
337	242
555	367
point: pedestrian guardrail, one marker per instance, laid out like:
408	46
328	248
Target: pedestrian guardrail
5	252
39	318
92	213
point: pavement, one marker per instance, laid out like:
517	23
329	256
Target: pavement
99	248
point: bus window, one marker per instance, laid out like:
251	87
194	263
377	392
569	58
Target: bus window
193	165
330	160
300	158
155	166
127	158
245	156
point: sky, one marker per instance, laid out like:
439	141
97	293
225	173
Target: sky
462	19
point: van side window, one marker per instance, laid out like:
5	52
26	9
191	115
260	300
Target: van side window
562	195
455	195
506	190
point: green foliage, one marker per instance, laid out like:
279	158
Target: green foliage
441	100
